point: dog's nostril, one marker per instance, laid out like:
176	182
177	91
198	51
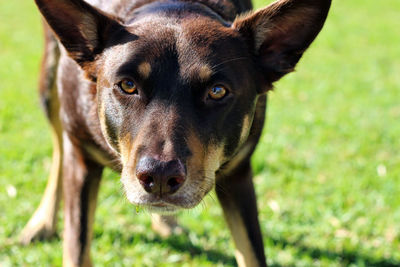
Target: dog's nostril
147	181
175	182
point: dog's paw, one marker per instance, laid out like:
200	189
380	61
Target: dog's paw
36	230
165	225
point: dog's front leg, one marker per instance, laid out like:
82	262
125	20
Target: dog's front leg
81	184
237	197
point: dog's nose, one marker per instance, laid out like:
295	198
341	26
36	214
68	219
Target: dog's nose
160	177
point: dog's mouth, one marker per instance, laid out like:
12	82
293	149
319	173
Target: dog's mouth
187	197
166	204
167	184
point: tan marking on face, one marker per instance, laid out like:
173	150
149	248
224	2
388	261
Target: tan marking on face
214	158
125	146
208	159
102	117
202	165
198	152
133	189
144	69
245	129
103	126
204	72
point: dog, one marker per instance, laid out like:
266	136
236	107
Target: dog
171	94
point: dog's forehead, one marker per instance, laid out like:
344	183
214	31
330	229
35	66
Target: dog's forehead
195	43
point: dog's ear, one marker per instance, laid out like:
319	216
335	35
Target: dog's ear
280	33
81	28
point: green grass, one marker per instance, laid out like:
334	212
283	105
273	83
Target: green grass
327	167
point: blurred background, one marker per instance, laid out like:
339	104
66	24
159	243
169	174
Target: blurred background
327	168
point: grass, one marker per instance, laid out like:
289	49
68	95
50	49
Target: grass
327	167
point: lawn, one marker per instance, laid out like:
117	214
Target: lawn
327	167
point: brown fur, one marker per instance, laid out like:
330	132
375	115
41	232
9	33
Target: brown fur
169	139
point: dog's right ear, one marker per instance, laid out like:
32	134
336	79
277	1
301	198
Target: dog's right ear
81	28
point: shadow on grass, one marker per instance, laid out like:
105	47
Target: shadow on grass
346	257
182	243
179	243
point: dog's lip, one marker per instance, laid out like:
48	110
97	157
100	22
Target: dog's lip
160	204
166	202
163	204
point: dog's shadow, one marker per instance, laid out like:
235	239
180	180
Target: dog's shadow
345	258
182	243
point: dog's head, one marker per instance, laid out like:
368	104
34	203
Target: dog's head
177	84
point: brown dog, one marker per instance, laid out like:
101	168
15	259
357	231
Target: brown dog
172	94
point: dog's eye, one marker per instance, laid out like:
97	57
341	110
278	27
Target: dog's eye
128	86
217	92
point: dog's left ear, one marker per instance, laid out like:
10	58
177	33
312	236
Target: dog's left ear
280	33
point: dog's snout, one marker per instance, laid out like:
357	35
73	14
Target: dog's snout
160	177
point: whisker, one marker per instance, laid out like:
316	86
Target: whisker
227	61
210	196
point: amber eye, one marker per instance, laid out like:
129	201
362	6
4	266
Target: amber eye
128	86
217	92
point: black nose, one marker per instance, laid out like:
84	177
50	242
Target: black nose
160	177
